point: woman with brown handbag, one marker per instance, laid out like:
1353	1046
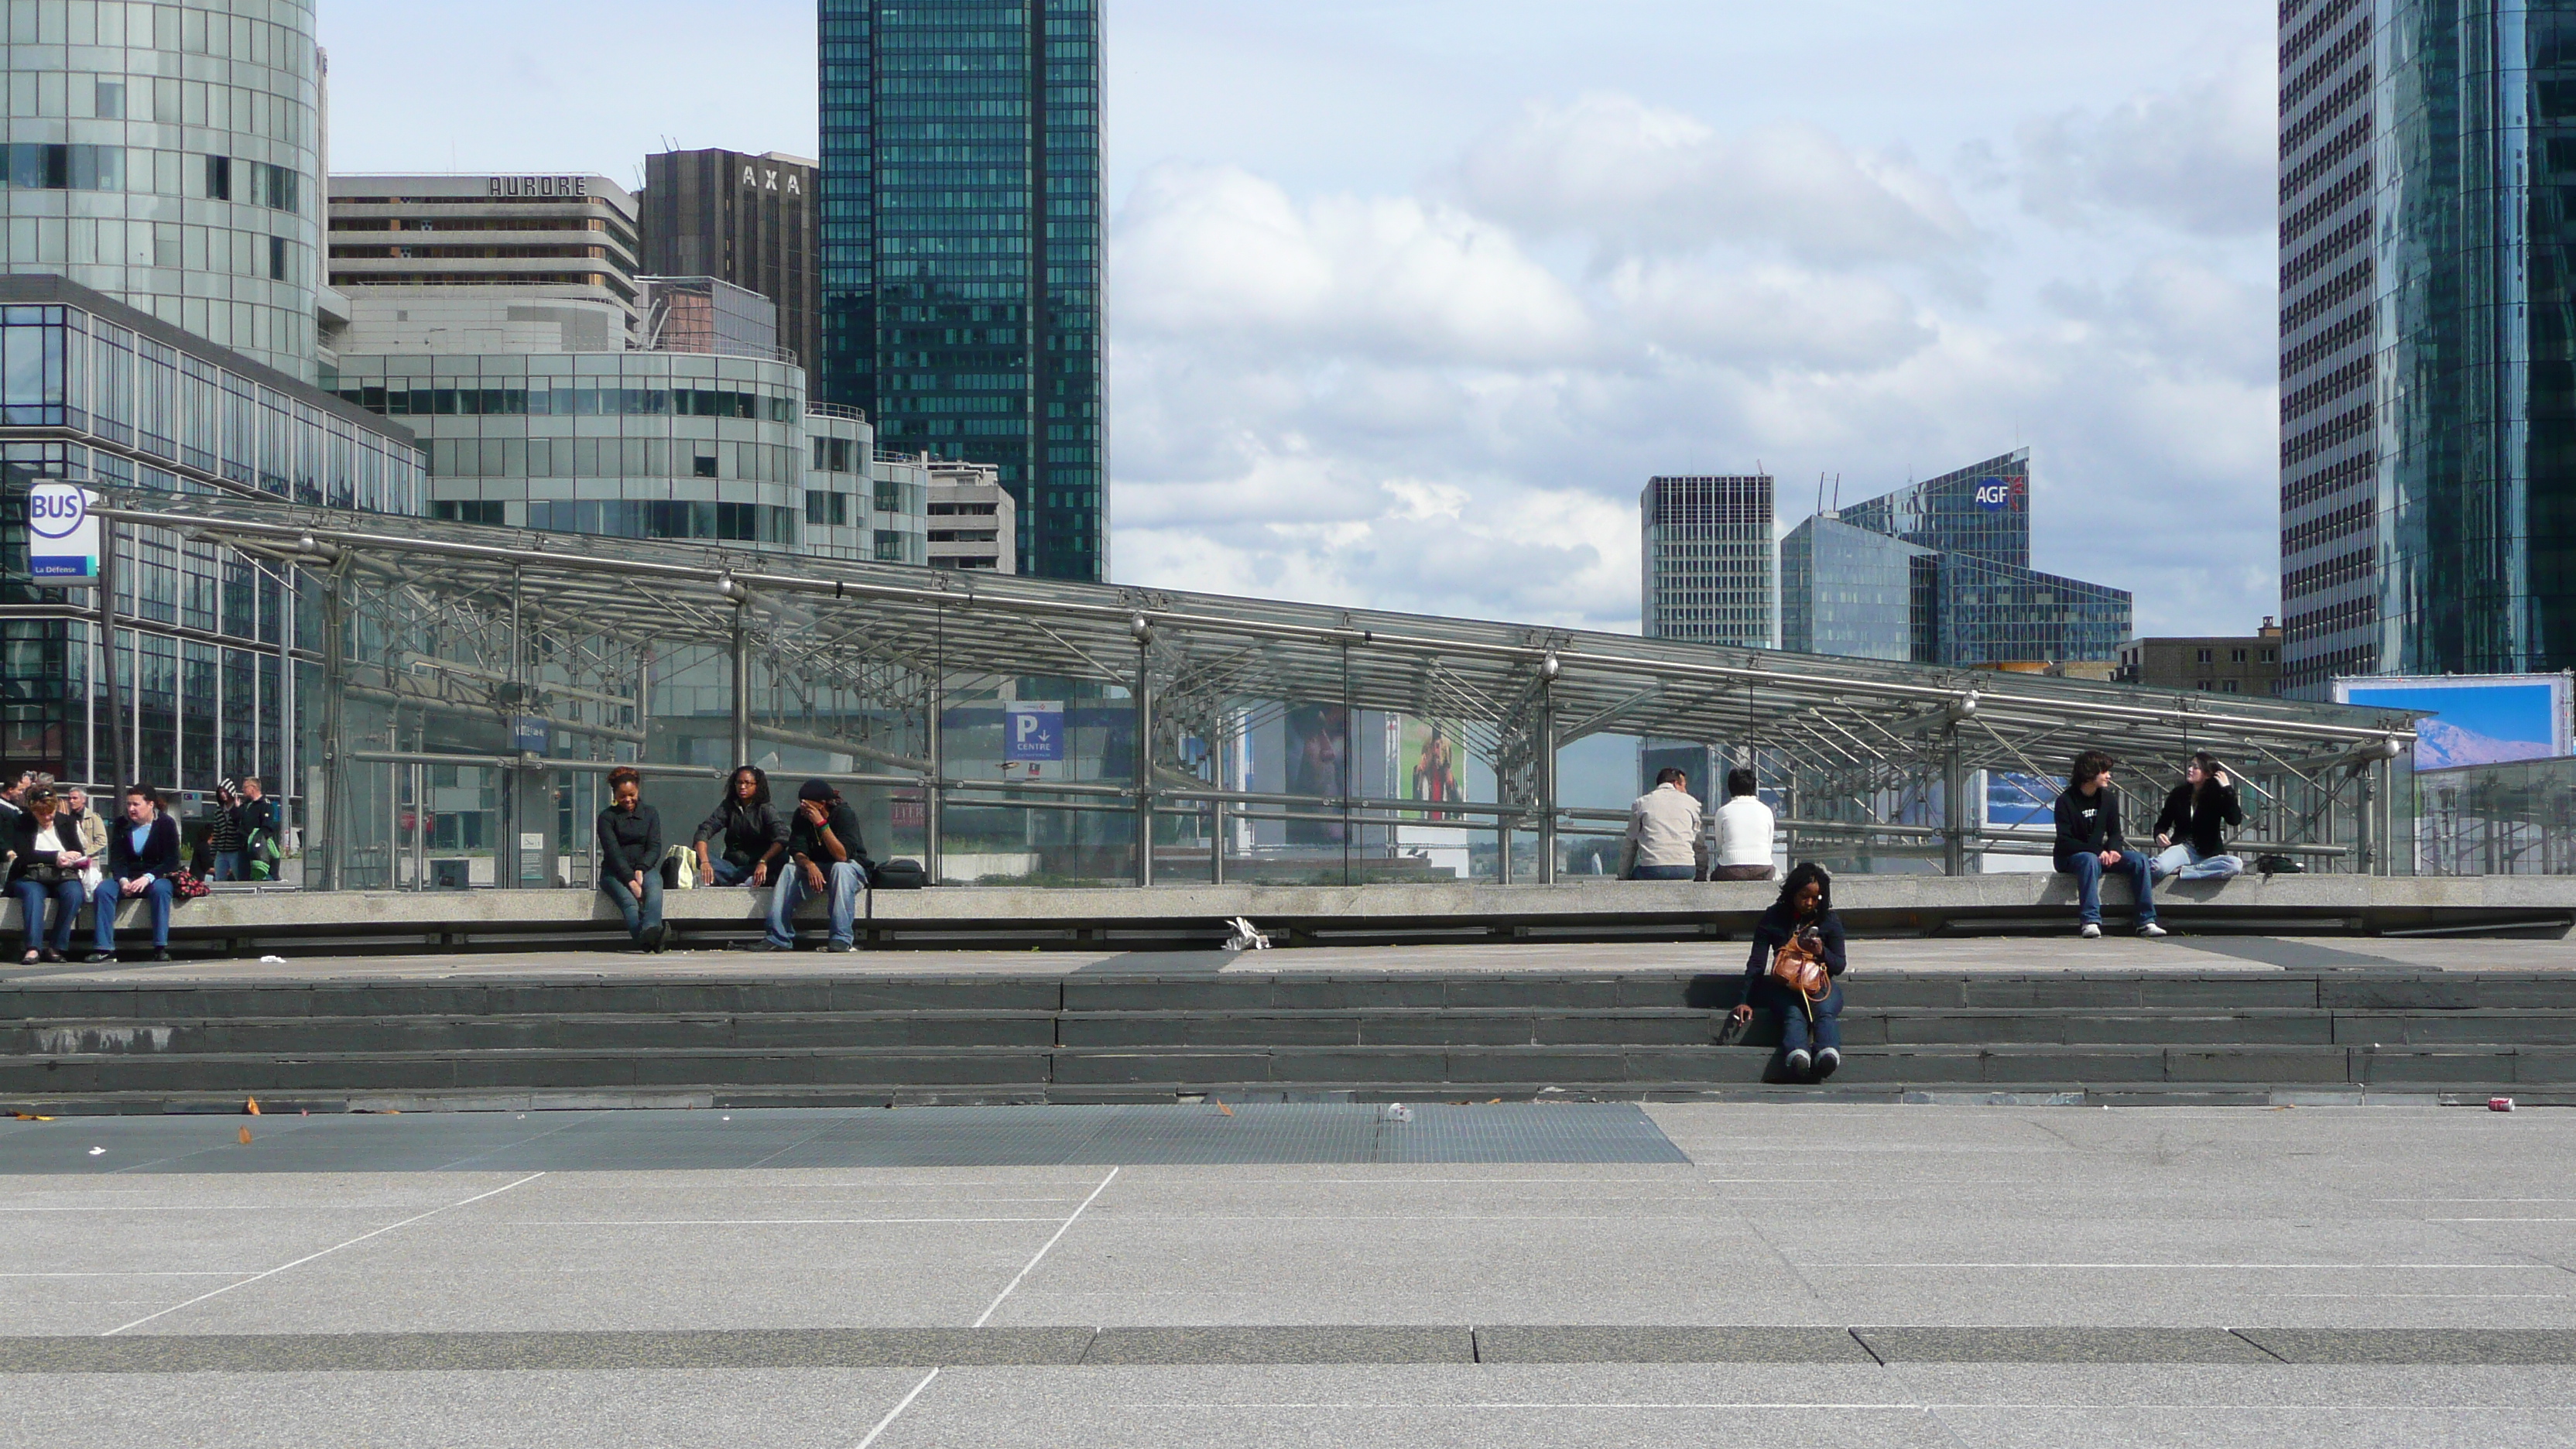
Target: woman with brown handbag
1796	962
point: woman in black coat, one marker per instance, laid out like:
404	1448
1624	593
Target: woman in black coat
1804	912
2191	834
47	871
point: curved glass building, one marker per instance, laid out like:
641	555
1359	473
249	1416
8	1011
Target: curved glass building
168	156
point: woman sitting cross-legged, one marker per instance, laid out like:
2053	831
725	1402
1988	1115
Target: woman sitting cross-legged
1800	936
2191	834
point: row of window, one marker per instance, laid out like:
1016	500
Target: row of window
39	166
840	509
642	518
611	458
539	400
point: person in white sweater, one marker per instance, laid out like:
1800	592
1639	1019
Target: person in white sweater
1667	833
1744	827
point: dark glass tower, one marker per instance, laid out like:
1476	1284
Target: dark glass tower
961	249
2428	337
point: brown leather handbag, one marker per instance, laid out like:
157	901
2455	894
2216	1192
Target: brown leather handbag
1794	968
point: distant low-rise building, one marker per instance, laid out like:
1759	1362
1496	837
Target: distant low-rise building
420	244
973	524
2217	664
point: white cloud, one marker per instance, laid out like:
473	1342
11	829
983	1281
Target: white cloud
1641	177
2201	158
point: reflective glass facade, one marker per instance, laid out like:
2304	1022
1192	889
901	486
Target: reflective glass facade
95	391
1708	559
1938	572
960	237
1851	592
167	156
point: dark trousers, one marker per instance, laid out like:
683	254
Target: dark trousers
1662	872
643	915
2089	870
67	897
1797	1033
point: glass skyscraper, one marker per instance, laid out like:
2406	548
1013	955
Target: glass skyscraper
960	239
2428	337
1938	572
1707	553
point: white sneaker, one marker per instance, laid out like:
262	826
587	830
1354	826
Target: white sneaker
2151	929
1828	1062
2091	932
1800	1064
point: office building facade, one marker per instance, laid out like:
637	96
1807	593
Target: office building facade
973	522
961	250
747	220
1708	556
167	156
2427	339
409	250
1938	572
2212	664
212	651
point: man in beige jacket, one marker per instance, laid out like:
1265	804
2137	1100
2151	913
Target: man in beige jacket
1667	833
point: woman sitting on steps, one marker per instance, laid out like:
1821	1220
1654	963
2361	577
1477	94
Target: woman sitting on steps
1801	923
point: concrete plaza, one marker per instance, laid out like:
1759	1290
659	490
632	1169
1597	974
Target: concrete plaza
1284	1274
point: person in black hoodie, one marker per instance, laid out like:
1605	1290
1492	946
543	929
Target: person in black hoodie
630	858
825	858
2192	831
1804	912
142	855
748	833
2089	845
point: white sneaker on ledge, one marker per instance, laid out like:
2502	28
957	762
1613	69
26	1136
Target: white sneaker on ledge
2151	929
2091	932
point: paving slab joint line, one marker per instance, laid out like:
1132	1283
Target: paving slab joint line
2258	1345
1865	1348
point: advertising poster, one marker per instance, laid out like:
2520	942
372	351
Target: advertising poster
2478	719
1433	767
1318	766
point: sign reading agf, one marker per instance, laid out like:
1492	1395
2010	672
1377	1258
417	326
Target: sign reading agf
1033	732
62	533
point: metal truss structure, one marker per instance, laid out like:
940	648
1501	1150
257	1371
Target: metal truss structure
502	625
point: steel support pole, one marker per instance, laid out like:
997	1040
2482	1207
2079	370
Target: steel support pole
1216	815
741	685
934	707
2365	820
1954	805
1144	698
113	737
336	815
1547	784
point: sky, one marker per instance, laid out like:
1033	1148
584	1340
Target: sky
1407	301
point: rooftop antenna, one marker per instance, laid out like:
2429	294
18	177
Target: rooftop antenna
1820	492
1838	494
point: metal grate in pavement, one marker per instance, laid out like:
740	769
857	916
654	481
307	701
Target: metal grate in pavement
637	1141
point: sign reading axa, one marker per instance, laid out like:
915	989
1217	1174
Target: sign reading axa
62	533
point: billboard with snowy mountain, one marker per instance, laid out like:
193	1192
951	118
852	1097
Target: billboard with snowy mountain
2478	719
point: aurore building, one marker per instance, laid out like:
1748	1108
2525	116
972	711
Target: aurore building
2428	339
961	249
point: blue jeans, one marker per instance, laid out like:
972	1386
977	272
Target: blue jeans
845	880
1797	1034
228	865
67	896
643	915
1663	872
2185	862
724	872
2089	869
103	911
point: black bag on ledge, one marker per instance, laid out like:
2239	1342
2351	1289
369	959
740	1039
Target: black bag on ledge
899	875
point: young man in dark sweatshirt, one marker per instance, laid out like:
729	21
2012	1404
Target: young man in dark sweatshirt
2089	844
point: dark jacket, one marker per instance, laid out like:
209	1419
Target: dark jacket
259	814
160	856
1778	924
746	835
2185	817
804	840
2087	826
45	865
630	842
224	829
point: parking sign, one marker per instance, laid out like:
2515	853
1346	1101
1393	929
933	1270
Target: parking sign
1033	731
